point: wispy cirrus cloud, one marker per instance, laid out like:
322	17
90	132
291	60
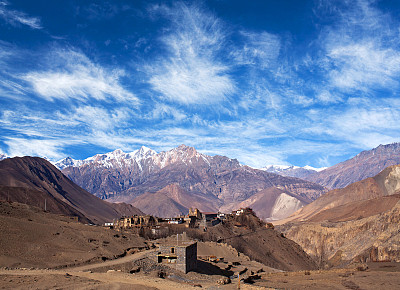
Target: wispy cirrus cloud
15	17
163	111
362	49
72	75
259	48
190	72
49	148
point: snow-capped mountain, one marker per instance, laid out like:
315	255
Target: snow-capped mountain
66	162
182	177
293	171
116	158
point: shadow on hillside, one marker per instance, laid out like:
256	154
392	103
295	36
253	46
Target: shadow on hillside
210	269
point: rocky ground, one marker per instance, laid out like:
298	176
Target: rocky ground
46	251
377	276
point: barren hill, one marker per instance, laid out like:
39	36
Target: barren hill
385	183
35	181
250	235
173	200
33	238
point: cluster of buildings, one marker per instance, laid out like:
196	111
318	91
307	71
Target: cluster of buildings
181	253
195	219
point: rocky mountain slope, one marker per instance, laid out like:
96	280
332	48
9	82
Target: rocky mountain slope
122	177
385	183
250	235
366	164
359	222
35	181
173	199
271	204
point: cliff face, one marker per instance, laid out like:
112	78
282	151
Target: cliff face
359	222
374	238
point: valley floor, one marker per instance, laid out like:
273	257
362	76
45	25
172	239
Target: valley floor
40	250
378	276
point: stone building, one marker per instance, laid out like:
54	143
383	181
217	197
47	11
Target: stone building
195	213
135	221
181	255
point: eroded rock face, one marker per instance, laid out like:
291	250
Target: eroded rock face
359	222
392	181
375	238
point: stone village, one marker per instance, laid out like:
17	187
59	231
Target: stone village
182	253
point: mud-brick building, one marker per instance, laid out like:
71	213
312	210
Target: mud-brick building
182	255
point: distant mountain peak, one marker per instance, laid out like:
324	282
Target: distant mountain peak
366	164
143	152
185	148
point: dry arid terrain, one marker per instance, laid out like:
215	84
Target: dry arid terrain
41	250
356	223
35	181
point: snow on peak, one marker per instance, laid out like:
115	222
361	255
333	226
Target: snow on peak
315	169
142	153
116	158
278	167
286	168
67	162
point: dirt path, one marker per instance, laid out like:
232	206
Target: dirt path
43	279
109	263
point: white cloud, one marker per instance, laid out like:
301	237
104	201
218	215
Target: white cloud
362	49
327	97
73	76
302	100
364	124
48	148
190	72
364	65
259	48
15	17
162	111
97	118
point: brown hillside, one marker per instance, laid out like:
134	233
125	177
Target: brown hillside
385	183
249	235
270	203
33	238
117	177
173	200
38	175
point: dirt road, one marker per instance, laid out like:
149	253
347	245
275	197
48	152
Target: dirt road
109	263
57	279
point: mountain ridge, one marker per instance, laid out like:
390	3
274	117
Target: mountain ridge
30	179
217	178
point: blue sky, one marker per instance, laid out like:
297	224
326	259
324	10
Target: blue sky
266	82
